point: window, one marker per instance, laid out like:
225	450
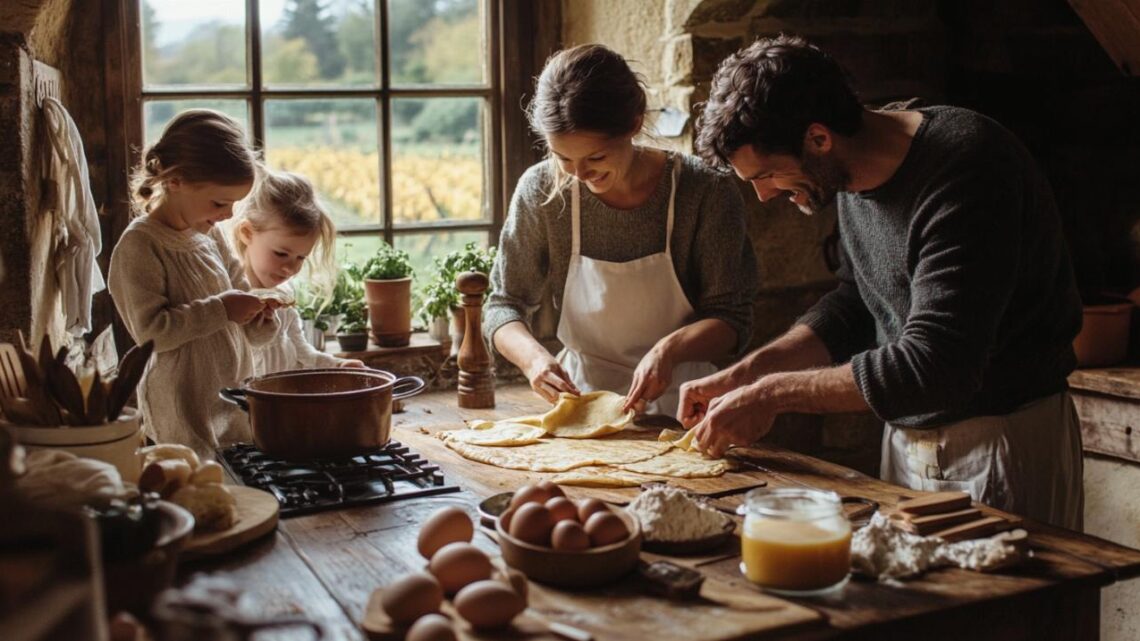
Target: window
389	106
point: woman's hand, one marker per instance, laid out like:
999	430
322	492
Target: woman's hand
650	380
548	379
241	307
352	362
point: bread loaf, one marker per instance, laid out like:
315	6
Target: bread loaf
166	451
208	472
165	476
213	507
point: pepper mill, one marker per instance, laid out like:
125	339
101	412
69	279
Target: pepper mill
476	380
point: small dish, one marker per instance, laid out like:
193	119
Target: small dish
490	508
694	546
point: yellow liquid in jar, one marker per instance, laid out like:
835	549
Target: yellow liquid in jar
791	555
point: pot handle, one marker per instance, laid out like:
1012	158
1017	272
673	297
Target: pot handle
234	395
406	386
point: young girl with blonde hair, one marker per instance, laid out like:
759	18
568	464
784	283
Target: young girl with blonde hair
281	228
175	281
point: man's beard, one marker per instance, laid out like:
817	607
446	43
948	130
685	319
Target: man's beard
825	178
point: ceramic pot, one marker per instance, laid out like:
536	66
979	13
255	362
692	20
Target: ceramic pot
1103	339
321	413
438	329
390	310
117	443
353	342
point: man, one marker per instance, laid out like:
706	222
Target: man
956	309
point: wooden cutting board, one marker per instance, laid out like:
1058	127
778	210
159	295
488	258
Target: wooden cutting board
257	516
727	610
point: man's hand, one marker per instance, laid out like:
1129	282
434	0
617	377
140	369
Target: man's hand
650	380
548	379
740	417
697	394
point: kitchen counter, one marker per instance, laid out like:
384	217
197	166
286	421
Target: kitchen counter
324	566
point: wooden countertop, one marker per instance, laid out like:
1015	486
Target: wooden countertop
325	565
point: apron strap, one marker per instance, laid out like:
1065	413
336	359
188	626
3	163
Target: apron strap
672	199
575	218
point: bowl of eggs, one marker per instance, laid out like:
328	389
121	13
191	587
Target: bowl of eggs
573	544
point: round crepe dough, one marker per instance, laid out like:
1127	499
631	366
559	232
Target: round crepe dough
534	420
559	455
679	464
601	476
499	434
587	416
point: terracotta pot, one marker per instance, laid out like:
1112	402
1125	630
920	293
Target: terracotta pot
353	342
390	310
1103	339
321	413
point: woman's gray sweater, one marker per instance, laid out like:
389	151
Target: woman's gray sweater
712	255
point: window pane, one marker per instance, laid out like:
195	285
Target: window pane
318	42
333	143
437	159
193	43
439	43
424	247
156	113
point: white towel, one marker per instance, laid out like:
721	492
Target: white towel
78	240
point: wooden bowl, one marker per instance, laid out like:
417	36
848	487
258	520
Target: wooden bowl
132	584
588	568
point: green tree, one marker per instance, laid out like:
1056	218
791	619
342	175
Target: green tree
358	41
311	20
290	61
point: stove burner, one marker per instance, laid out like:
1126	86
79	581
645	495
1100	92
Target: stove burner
302	487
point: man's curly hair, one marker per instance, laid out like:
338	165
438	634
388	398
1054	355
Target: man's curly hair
767	95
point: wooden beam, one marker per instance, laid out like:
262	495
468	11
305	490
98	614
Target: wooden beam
1116	26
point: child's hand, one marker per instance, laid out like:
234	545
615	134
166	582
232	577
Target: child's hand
241	307
353	363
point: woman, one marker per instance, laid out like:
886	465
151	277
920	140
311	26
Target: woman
650	266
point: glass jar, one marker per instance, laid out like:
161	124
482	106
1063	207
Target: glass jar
796	541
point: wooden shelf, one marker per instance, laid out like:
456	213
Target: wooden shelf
420	343
1121	381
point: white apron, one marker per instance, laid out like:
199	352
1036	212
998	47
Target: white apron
1027	462
614	313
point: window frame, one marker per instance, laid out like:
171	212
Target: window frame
256	95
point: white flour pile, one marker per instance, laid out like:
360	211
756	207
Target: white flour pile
668	514
880	550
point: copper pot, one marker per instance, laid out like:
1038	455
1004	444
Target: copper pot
321	413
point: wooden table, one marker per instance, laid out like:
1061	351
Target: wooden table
325	565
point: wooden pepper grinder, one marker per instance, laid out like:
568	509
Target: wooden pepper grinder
476	380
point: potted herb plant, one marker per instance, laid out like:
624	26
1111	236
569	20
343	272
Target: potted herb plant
353	330
387	277
441	299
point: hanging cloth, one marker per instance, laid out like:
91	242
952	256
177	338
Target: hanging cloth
77	239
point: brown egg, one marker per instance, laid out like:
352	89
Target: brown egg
431	627
517	581
605	528
532	523
588	507
446	525
551	489
529	494
488	604
506	516
562	508
457	564
410	597
569	536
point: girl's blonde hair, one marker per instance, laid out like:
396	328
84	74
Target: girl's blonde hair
197	146
284	200
585	88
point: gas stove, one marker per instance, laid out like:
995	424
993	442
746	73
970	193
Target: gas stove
302	487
